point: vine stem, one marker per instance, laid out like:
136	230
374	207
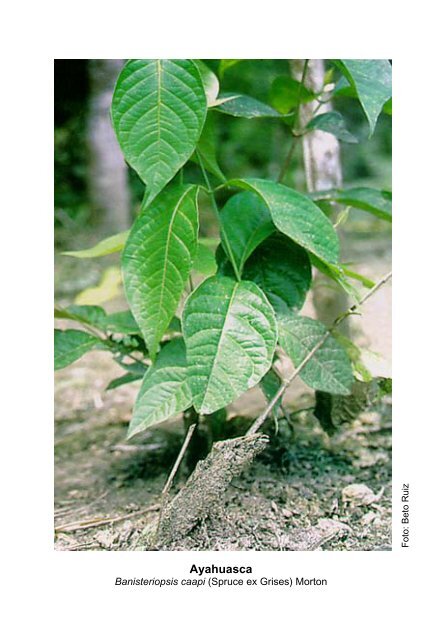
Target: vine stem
295	134
215	207
282	389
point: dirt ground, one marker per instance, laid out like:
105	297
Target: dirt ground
307	491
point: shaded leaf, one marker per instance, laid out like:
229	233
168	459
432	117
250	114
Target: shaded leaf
334	123
158	112
294	215
287	93
330	368
157	260
371	79
165	390
121	322
71	344
204	261
113	244
336	273
282	270
375	201
333	411
245	223
85	314
127	378
245	107
270	385
230	333
206	149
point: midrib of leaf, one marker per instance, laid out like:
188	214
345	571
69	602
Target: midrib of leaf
218	350
166	254
159	71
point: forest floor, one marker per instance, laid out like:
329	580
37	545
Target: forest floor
307	491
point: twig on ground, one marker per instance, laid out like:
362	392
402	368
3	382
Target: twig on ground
98	522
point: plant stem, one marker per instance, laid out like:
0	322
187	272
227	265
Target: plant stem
296	135
215	208
262	418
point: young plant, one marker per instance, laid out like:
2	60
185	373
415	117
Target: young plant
203	347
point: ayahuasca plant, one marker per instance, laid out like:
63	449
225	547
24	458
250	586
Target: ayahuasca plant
204	346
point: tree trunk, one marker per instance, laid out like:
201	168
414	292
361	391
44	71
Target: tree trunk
322	165
107	172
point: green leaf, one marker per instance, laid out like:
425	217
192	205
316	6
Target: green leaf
157	260
287	93
371	79
204	262
296	216
330	368
113	244
86	314
121	322
334	123
282	270
210	82
375	201
360	371
107	289
127	378
206	149
245	107
245	223
270	385
158	112
71	344
230	332
336	273
165	390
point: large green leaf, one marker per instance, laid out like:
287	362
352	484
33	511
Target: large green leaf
297	217
158	112
282	270
165	390
245	223
71	344
230	332
371	79
332	122
158	258
113	244
330	368
245	107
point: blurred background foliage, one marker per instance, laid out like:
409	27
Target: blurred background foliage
252	147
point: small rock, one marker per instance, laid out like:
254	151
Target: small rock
358	495
287	513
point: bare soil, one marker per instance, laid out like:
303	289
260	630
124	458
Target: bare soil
298	495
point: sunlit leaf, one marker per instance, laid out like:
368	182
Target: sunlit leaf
158	258
230	333
113	244
158	112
